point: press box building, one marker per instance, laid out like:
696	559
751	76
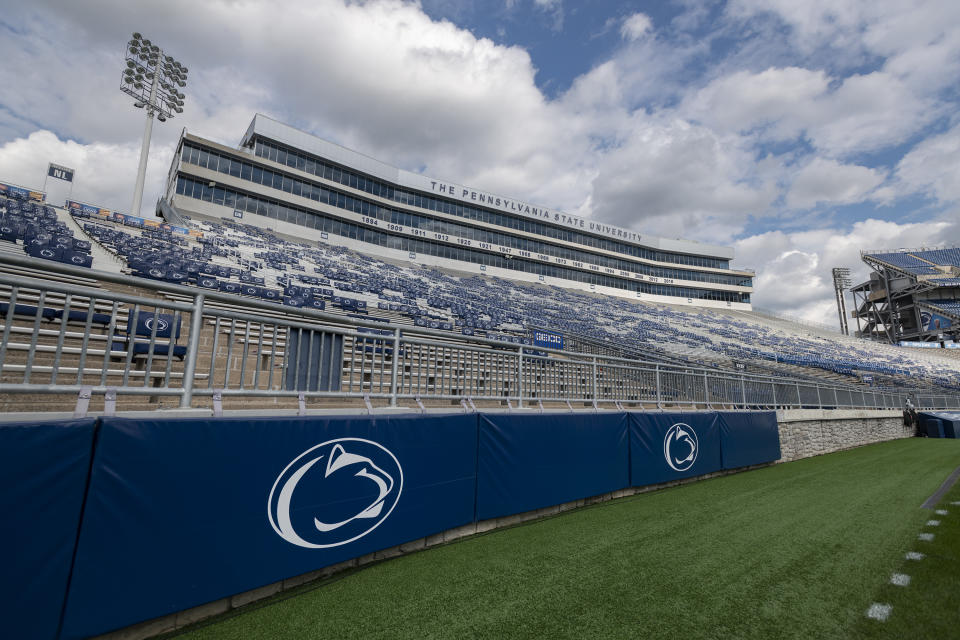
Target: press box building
302	186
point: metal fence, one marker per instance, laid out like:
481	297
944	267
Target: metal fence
145	341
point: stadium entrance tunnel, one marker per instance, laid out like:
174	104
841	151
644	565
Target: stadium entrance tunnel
138	523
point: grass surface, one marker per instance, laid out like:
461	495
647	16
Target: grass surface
930	606
798	550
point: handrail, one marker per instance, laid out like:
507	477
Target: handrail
230	339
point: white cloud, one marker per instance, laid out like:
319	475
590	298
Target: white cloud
380	77
827	181
674	178
670	134
793	269
776	98
635	26
863	113
105	172
933	165
917	41
868	112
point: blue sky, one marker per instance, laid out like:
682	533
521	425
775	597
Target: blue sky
797	132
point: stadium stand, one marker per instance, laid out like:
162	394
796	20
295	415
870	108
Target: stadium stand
41	232
910	296
255	263
248	269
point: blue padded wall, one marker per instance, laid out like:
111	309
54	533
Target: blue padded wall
942	424
673	446
529	461
749	438
185	511
43	472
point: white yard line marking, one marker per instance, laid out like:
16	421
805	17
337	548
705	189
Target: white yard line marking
915	555
926	537
933	523
879	611
941	512
900	579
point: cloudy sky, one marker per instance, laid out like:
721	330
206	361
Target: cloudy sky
798	132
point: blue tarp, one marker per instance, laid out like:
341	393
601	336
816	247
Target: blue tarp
527	462
43	472
183	512
941	424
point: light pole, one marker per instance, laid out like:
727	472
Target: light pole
154	81
841	282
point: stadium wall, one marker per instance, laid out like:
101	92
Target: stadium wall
166	522
813	432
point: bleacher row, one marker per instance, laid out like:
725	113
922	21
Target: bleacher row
923	263
950	306
42	234
248	261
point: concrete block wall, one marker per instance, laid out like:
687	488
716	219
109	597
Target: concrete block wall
813	432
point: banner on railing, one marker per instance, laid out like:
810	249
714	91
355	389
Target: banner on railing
547	339
88	209
526	462
181	512
129	220
928	345
12	190
43	472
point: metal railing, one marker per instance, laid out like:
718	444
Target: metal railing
154	340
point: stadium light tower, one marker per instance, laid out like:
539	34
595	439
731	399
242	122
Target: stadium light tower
154	81
841	282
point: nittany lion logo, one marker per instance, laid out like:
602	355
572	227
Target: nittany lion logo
335	493
680	447
162	325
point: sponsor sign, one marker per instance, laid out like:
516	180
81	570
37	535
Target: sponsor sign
59	172
934	321
20	192
928	345
547	339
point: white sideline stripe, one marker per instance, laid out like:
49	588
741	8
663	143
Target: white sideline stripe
941	512
879	611
955	502
926	537
933	523
915	555
900	579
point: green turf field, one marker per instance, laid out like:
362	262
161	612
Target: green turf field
798	550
